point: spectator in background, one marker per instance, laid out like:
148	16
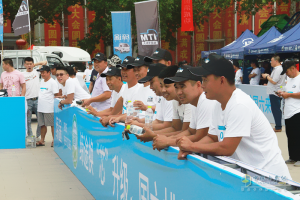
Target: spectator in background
267	70
275	80
255	74
162	56
79	78
292	111
238	73
48	89
32	92
12	79
88	72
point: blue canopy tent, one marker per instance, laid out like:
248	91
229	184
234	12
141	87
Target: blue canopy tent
245	39
290	47
272	46
266	37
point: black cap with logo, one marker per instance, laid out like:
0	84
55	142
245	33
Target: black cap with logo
100	56
153	70
183	74
139	61
287	64
44	68
53	65
90	63
126	61
216	65
159	54
112	71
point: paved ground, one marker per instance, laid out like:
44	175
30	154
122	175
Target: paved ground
39	174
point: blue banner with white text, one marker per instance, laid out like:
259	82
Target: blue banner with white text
115	169
121	27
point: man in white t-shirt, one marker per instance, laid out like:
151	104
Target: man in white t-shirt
239	129
32	92
71	90
115	83
87	72
238	73
188	89
48	89
275	80
291	97
255	74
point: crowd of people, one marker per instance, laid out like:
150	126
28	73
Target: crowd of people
198	109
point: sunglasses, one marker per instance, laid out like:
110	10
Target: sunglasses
57	75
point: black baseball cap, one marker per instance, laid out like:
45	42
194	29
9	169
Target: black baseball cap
126	61
183	74
159	54
90	63
139	61
153	70
112	71
44	68
287	64
53	65
215	64
100	56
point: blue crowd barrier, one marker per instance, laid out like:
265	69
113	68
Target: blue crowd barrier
113	168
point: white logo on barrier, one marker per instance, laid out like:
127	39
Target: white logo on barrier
103	152
74	141
122	176
86	153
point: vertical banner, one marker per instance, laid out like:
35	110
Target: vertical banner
183	46
52	34
147	26
199	38
75	25
243	22
261	16
216	29
166	45
187	22
21	24
121	27
98	47
229	24
283	8
1	21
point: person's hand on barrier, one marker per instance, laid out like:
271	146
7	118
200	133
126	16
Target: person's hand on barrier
126	124
85	102
60	106
91	110
160	142
147	136
182	155
104	121
184	143
113	120
139	105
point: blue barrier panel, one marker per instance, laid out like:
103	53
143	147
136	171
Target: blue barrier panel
12	123
111	168
87	84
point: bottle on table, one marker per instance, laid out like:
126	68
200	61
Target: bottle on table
149	117
130	111
135	129
13	91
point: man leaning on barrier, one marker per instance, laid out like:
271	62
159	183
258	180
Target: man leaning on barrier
239	129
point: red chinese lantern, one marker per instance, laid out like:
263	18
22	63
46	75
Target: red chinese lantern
20	42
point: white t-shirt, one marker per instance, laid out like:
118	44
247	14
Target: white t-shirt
238	76
32	81
46	96
88	73
116	95
292	105
258	146
202	115
129	94
255	80
81	82
73	86
164	110
147	96
276	77
183	111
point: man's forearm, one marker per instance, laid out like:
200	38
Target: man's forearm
1	86
160	126
23	91
200	133
91	87
271	80
102	97
166	130
106	112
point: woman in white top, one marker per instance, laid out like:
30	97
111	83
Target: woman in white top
255	74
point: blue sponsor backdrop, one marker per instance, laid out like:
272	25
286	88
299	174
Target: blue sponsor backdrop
111	168
121	25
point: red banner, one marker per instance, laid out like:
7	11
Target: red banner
245	23
166	45
75	25
229	25
52	34
98	47
283	8
183	46
261	16
187	23
216	29
199	37
7	26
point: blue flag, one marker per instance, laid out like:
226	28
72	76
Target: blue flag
121	27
